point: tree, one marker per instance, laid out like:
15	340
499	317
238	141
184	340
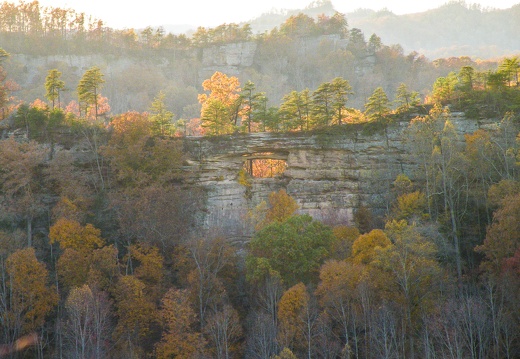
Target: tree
34	120
444	88
25	296
405	99
377	107
88	89
217	118
366	246
328	102
137	158
213	267
510	67
300	25
147	265
450	166
179	338
249	105
224	332
292	312
341	89
293	249
466	78
71	234
20	166
295	111
410	259
160	117
374	44
4	91
135	315
281	207
53	86
322	105
286	353
338	294
88	323
410	207
357	45
98	268
220	107
344	237
503	235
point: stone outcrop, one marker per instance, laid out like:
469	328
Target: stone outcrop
330	174
228	58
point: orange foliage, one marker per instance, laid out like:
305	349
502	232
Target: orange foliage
71	234
194	127
223	88
73	108
131	124
39	104
265	168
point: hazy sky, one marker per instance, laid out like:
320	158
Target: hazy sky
139	13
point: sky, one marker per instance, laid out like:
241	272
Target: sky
121	14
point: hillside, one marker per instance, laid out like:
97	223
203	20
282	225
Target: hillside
454	29
309	192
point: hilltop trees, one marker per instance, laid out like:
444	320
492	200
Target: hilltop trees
220	107
53	86
88	90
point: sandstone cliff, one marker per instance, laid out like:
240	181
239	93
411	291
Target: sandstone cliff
330	174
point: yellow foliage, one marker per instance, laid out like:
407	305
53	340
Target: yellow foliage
178	339
135	311
286	353
223	88
344	237
31	300
291	311
364	248
150	267
402	184
281	207
410	206
244	179
220	107
338	282
71	234
72	268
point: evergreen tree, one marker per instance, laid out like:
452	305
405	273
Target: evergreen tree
88	89
160	116
53	86
378	105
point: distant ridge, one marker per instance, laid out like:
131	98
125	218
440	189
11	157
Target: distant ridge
454	29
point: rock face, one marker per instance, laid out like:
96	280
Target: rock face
228	58
330	174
